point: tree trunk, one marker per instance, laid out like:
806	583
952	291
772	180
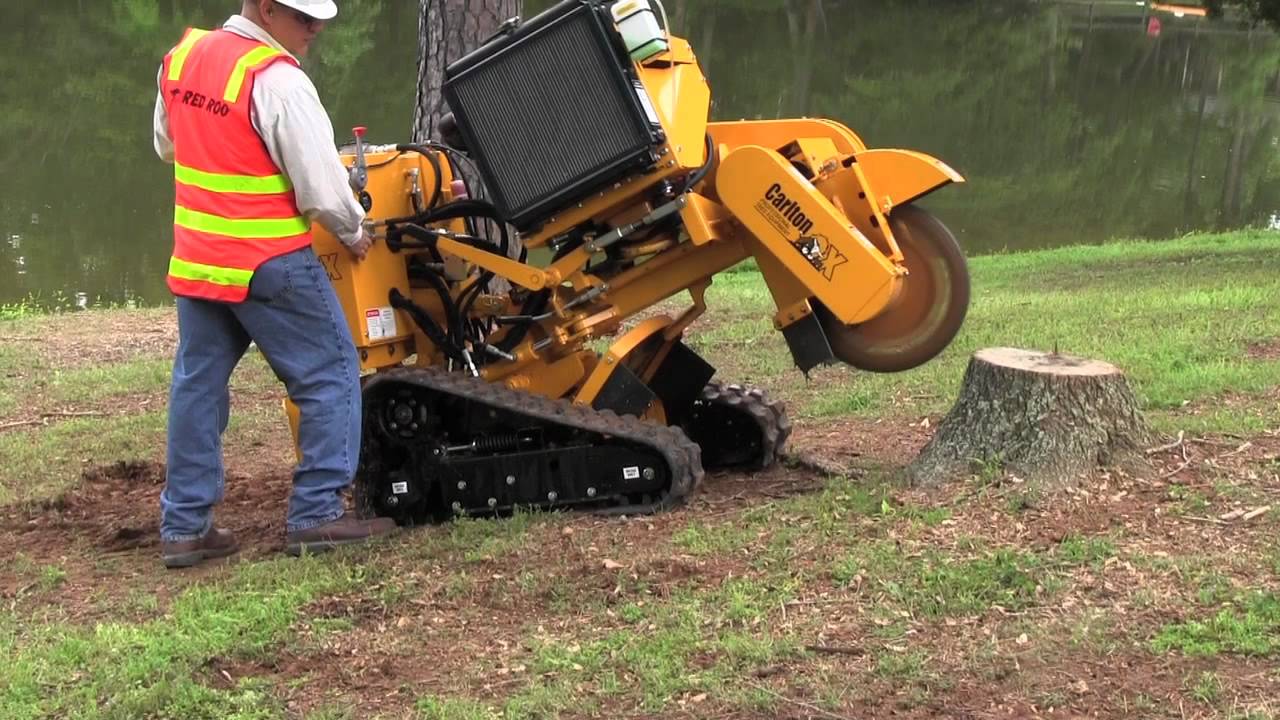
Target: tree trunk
1229	208
1047	418
802	25
447	30
680	18
1188	195
708	37
1051	81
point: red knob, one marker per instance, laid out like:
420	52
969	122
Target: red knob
359	131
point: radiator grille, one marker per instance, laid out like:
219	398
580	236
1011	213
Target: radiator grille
550	114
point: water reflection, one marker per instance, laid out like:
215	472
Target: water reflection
1074	122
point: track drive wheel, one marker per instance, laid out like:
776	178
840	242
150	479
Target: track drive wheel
928	311
738	427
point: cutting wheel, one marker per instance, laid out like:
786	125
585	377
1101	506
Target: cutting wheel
928	311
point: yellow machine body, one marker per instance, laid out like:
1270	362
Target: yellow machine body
815	242
383	335
807	199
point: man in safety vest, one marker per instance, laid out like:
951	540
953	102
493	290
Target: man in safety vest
254	164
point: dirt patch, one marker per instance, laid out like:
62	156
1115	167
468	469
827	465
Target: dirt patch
971	667
97	338
126	472
116	508
1268	349
1072	683
470	617
103	537
103	510
356	608
844	446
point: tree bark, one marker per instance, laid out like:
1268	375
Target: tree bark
803	18
1229	208
1188	196
1047	418
447	30
680	18
708	38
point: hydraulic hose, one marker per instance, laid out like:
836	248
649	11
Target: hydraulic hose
701	173
425	152
534	306
429	326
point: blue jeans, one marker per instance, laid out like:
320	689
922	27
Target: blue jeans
293	315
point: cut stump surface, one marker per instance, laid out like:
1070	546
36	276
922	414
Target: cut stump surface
1047	418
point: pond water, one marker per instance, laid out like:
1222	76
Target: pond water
1073	122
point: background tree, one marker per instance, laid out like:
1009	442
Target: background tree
447	30
1267	11
1092	128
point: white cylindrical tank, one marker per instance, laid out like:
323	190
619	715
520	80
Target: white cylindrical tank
639	28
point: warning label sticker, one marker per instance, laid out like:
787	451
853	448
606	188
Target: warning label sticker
630	473
380	323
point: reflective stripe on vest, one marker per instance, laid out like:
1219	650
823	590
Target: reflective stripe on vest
236	80
252	58
226	183
209	273
181	52
243	228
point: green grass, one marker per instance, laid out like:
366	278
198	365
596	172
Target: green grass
477	540
432	708
1077	550
156	668
42	463
698	640
1176	316
19	310
652	648
92	384
1250	626
909	673
929	583
853	558
933	584
13	360
1205	687
700	539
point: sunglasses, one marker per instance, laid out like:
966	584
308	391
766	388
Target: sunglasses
303	19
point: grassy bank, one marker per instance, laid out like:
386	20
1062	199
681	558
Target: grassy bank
786	593
1191	321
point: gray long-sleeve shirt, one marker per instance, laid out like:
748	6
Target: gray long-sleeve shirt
288	115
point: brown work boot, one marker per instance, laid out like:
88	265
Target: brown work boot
346	530
218	542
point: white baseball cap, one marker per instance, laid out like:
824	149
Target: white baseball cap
318	9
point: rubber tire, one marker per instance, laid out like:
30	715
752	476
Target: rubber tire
927	314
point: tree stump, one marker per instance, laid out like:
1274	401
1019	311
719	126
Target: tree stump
1047	418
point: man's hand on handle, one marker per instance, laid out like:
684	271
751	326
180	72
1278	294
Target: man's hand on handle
360	248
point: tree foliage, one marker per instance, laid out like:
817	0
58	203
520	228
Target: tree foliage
1267	11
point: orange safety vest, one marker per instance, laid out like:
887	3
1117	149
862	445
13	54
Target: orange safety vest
234	209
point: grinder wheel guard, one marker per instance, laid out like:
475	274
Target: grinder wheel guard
928	311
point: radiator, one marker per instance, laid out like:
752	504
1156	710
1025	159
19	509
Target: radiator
552	112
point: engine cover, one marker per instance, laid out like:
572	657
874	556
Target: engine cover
552	112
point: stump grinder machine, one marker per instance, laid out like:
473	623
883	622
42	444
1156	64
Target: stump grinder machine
549	376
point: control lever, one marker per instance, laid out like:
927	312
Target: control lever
358	176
